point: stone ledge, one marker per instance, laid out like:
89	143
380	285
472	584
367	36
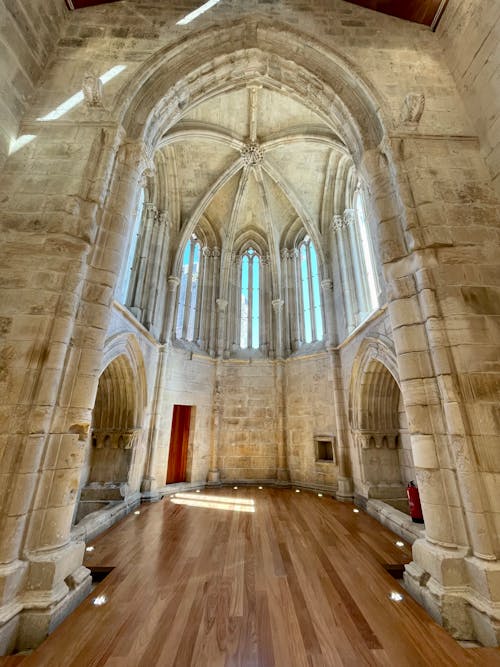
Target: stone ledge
397	521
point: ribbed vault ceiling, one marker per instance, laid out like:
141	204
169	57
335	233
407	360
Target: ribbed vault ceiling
254	164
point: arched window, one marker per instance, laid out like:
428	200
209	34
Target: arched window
250	300
366	250
188	290
122	291
310	292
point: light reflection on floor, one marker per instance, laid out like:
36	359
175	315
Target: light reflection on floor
214	502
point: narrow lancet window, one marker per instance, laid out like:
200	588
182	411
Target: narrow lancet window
310	292
188	290
366	251
250	300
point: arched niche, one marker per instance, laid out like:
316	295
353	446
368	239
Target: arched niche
379	424
110	474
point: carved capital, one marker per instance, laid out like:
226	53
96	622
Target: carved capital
173	283
327	285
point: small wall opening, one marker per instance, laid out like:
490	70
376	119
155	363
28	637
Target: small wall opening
325	449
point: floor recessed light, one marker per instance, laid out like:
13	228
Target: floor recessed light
356	511
197	490
297	490
99	600
400	544
395	596
235	487
89	548
260	488
137	512
320	495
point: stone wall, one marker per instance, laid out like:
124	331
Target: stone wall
189	381
470	33
248	448
309	414
29	33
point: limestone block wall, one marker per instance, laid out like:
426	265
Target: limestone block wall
387	49
248	444
28	35
189	381
470	33
309	413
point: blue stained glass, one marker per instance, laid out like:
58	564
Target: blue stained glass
255	302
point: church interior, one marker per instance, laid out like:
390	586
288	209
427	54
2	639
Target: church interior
249	305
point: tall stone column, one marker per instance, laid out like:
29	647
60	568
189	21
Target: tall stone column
139	269
221	326
455	571
152	480
157	261
172	287
327	289
278	327
41	572
213	311
213	476
337	227
344	483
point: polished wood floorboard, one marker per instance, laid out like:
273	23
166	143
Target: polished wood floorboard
299	582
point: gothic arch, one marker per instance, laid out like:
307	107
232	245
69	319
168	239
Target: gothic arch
182	75
378	423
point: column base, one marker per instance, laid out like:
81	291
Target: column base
213	477
460	592
345	490
283	475
149	490
42	592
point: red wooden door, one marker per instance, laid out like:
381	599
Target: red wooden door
179	439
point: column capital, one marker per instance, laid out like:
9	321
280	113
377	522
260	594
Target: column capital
277	304
327	284
221	305
173	283
337	223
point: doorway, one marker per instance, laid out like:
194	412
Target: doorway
179	443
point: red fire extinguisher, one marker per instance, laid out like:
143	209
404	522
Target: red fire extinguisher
414	502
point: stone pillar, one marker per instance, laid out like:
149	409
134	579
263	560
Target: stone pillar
338	226
221	326
136	300
213	476
327	289
213	311
157	261
172	287
344	484
282	472
204	313
41	569
455	571
278	327
157	429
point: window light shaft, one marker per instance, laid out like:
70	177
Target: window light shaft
197	12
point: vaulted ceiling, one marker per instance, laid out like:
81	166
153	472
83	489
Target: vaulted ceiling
252	166
427	12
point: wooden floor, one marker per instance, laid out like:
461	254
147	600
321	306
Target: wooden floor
298	582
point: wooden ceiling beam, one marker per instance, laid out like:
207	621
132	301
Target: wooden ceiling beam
426	12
